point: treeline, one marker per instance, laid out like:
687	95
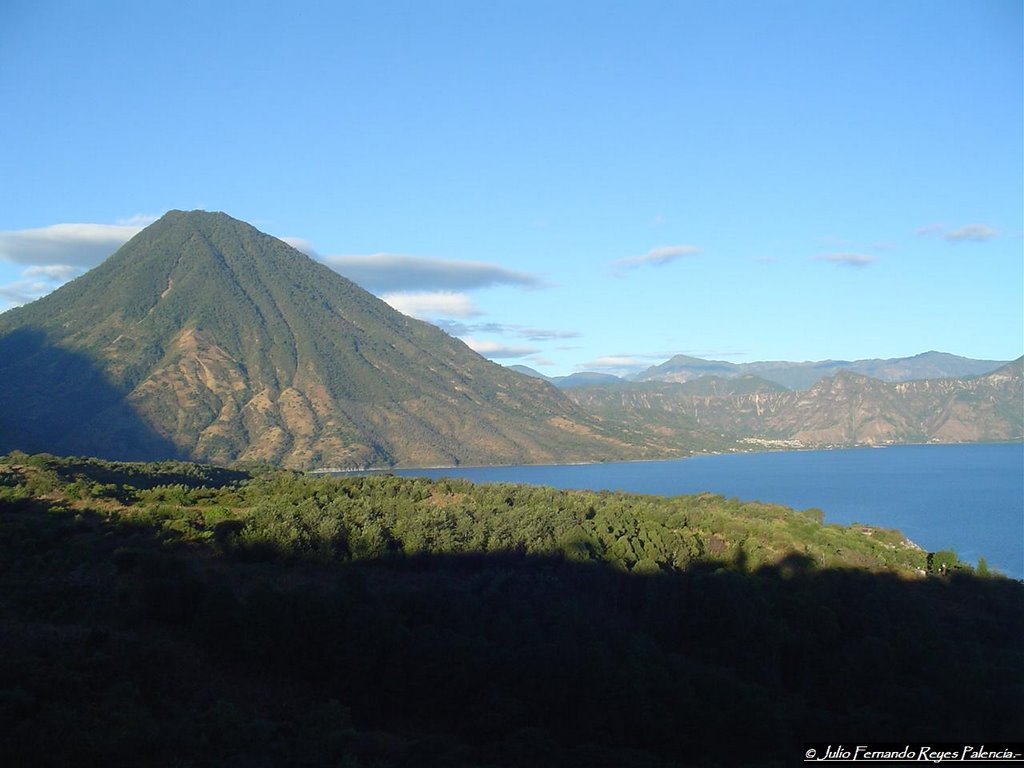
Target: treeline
365	518
262	514
267	618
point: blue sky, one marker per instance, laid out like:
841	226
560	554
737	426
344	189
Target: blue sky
566	185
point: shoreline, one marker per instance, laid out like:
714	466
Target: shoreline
695	455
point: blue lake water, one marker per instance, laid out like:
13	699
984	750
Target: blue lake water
964	497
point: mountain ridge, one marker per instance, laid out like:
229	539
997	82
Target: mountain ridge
803	375
788	374
844	410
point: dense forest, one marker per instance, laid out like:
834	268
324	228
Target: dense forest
175	614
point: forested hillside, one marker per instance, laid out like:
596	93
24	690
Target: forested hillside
176	614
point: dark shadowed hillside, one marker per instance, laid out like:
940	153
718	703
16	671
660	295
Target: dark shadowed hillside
179	615
205	338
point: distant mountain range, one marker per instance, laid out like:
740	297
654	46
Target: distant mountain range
846	409
790	375
207	339
203	338
928	365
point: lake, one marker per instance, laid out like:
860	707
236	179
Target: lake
969	498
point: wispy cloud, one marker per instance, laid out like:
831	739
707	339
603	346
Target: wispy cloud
503	348
977	233
457	328
497	349
429	304
390	272
543	334
847	259
659	256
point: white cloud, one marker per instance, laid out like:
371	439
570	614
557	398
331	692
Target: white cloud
79	245
847	259
977	233
398	272
425	304
497	349
659	256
